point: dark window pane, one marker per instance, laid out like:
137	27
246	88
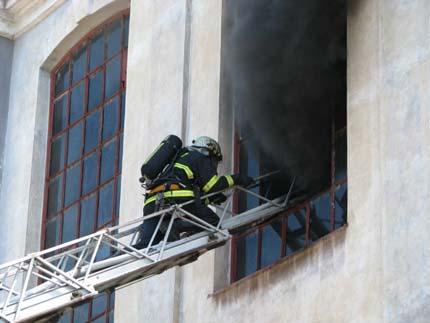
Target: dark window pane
75	143
99	305
122	110
57	155
92	129
79	64
95	94
65	317
271	243
112	301
296	231
52	233
120	153
126	23
113	69
55	193
88	215
118	195
90	173
103	253
101	319
81	313
340	162
77	104
111	317
97	52
70	223
341	206
108	161
320	217
62	79
246	250
105	205
73	181
113	35
60	114
249	164
110	119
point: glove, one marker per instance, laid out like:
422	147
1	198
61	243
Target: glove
244	180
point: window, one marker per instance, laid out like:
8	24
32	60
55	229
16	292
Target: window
85	147
297	228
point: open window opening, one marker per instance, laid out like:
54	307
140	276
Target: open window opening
284	64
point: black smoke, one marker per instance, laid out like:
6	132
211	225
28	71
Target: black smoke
285	65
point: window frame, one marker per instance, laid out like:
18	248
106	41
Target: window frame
283	216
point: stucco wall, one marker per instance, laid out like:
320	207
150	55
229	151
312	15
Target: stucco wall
35	54
6	52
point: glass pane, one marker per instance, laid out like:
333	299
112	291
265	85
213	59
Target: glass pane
108	161
95	94
77	104
52	233
105	205
75	143
70	223
249	164
118	195
111	317
271	243
81	313
103	253
112	301
101	319
122	110
126	23
99	305
90	173
320	217
341	206
120	153
73	183
60	115
79	64
57	155
97	52
246	251
88	215
340	162
62	79
113	35
65	317
296	231
92	130
110	119
55	194
113	70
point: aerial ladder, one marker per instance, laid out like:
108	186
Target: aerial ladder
46	282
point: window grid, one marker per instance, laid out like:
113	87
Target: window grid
308	206
85	143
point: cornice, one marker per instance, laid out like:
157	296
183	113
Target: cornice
18	16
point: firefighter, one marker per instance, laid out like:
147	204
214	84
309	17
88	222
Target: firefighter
192	174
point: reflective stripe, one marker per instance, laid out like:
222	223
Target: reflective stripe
186	169
185	155
210	184
168	194
230	180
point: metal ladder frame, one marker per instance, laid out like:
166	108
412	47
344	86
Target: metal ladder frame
50	280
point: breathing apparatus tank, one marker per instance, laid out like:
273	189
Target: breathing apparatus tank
161	157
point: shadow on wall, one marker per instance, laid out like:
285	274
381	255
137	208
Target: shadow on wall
285	63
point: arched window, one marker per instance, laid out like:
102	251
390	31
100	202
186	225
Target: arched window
83	173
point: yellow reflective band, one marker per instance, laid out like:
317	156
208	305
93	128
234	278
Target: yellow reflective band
186	169
230	180
210	184
168	194
184	155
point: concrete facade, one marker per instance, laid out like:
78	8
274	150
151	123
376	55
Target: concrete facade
374	270
6	52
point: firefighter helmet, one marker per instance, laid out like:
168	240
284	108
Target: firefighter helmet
210	144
